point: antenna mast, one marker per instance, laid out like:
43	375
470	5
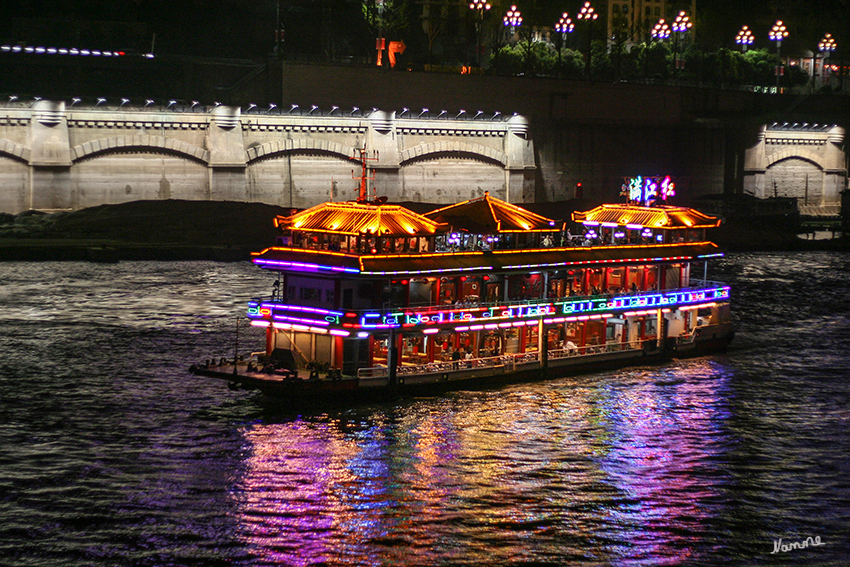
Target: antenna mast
363	197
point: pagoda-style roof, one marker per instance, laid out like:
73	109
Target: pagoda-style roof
634	216
488	215
361	218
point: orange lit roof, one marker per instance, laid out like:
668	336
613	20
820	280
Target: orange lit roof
651	217
358	218
488	215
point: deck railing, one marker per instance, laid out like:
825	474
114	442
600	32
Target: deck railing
510	360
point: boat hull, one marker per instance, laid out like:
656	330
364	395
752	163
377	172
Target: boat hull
290	391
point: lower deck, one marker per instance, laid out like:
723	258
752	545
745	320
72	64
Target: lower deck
310	385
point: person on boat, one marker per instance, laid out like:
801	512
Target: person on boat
456	359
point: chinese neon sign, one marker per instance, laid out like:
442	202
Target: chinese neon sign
647	190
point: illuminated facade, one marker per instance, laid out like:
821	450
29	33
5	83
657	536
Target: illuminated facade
381	293
637	17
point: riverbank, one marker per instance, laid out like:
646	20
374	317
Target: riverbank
142	230
230	231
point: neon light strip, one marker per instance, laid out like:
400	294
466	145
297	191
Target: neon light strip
491	317
305	309
299	320
429	271
304	265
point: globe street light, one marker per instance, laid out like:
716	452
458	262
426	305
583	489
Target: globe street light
480	6
778	33
744	38
825	46
512	20
661	31
587	14
681	25
564	26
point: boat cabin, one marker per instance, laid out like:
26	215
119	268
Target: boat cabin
372	289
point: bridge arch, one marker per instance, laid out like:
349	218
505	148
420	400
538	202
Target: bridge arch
289	145
139	142
15	151
455	147
800	153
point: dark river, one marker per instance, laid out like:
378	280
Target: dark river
111	454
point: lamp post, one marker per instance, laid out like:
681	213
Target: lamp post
681	25
825	46
512	20
744	38
587	14
564	26
778	33
480	6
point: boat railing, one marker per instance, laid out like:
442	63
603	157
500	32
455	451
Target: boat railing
511	361
505	360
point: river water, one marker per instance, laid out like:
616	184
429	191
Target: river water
112	454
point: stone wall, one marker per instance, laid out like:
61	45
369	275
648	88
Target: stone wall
54	157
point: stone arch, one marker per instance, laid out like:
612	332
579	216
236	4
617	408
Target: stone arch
14	151
453	146
800	153
140	142
288	145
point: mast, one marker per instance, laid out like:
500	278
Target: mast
363	196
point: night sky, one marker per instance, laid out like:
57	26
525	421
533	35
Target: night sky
326	28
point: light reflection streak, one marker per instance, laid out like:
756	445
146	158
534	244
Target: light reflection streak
614	471
664	435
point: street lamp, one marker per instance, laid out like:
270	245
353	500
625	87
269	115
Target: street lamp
778	33
564	26
661	31
587	14
825	46
480	6
681	25
512	20
744	38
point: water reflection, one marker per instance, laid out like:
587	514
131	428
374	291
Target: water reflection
665	457
621	469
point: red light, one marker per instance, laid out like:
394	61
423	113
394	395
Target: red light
463	278
404	282
121	53
486	278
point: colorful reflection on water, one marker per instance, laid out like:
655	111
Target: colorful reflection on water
611	469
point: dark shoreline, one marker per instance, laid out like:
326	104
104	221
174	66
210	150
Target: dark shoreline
226	231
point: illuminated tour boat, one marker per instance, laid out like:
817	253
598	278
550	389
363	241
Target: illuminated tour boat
370	298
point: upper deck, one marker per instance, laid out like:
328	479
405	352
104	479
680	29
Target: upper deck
483	234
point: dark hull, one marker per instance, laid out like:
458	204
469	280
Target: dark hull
295	392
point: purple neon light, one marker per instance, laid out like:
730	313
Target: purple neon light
281	263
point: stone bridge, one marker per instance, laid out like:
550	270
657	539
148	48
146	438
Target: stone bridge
58	157
805	161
